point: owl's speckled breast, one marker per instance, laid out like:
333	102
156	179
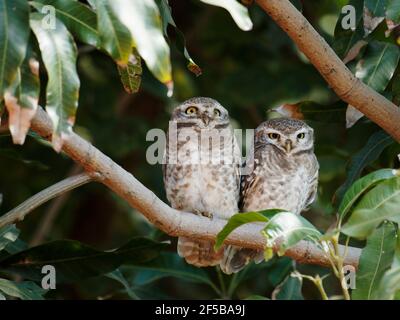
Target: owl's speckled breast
279	183
200	182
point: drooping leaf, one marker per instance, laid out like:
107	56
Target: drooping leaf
8	234
79	19
25	290
14	34
380	204
169	264
131	73
375	259
114	36
345	39
118	276
378	64
393	11
389	285
289	229
22	97
143	20
240	219
368	154
361	186
59	55
238	12
180	41
289	289
74	260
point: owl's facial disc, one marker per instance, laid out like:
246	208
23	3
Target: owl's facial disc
204	113
288	142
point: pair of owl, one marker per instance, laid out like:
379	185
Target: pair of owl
281	172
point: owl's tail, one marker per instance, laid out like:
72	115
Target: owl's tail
199	252
235	258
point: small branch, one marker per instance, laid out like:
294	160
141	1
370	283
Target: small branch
171	221
19	213
375	106
52	211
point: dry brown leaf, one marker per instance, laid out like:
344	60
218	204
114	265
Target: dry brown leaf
354	51
289	111
19	118
352	116
370	22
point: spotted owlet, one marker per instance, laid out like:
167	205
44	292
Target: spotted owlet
280	173
202	170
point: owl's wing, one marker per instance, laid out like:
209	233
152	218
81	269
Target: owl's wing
313	186
248	178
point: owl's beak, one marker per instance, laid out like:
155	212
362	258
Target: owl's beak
288	145
206	119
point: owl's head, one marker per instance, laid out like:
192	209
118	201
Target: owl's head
201	112
288	135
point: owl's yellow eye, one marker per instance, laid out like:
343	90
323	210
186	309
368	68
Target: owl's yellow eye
191	110
217	112
301	136
273	136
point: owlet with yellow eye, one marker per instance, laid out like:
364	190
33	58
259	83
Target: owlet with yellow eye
202	171
280	173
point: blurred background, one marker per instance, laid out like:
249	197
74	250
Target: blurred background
247	72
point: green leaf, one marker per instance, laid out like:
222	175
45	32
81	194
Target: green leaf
118	276
380	204
378	64
79	19
376	7
115	38
289	289
14	34
375	145
238	12
346	39
24	290
393	11
75	261
180	41
8	234
289	228
389	285
169	264
375	259
131	73
362	185
59	56
242	218
143	20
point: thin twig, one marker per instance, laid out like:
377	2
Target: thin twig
19	213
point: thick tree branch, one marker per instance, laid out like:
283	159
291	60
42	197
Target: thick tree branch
343	82
171	221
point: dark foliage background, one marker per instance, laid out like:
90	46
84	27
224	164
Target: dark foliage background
249	73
